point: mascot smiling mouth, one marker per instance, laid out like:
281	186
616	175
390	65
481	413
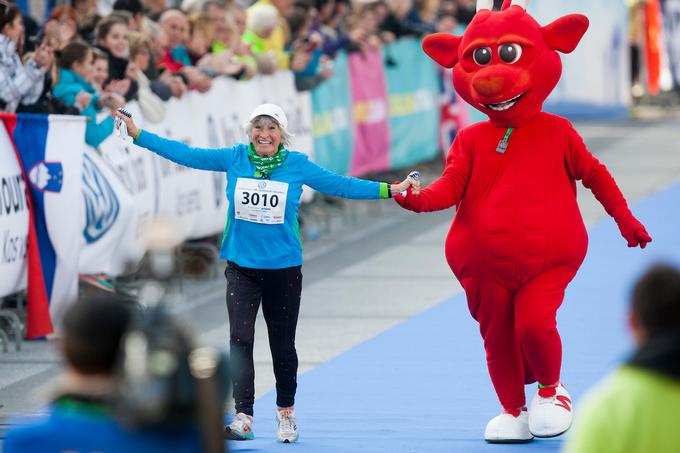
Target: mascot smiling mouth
505	105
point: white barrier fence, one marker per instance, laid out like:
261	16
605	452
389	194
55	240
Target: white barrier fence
123	185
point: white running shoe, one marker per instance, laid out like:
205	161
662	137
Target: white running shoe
241	428
508	429
287	425
550	412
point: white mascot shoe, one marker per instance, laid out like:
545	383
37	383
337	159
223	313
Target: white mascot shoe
550	412
508	429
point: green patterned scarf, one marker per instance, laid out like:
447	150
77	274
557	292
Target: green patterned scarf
264	166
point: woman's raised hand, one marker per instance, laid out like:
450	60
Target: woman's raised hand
132	128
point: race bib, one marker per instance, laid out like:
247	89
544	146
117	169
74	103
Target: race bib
260	200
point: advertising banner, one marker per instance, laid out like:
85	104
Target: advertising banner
13	220
412	87
332	107
370	112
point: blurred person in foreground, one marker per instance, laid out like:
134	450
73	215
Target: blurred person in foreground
635	409
262	246
80	417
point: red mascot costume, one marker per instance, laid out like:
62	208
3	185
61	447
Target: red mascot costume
518	237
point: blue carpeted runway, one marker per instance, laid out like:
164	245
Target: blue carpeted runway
423	386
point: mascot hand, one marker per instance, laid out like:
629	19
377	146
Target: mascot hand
634	232
406	201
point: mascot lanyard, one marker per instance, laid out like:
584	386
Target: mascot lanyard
503	144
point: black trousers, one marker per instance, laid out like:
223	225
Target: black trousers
279	290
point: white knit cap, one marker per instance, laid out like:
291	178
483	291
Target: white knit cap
273	111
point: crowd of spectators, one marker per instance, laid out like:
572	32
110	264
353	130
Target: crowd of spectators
85	60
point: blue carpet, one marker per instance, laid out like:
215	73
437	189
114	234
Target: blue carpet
423	386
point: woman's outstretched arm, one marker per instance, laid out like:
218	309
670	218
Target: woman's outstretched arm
215	159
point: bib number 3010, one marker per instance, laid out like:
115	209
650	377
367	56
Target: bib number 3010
264	200
260	201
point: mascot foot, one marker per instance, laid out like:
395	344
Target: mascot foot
550	412
508	428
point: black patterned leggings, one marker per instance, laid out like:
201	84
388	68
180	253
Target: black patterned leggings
279	290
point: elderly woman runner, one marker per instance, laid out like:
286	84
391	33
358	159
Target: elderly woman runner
262	246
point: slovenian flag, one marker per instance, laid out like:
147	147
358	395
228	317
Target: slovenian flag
49	149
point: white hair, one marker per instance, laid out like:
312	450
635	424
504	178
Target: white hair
286	137
262	18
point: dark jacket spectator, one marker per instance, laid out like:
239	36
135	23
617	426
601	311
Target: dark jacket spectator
112	39
82	416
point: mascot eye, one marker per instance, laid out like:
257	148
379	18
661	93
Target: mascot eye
510	53
482	56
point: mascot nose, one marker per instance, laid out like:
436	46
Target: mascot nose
492	82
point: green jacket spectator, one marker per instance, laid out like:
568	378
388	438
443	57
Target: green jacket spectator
636	409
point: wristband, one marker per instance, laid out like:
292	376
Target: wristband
384	191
